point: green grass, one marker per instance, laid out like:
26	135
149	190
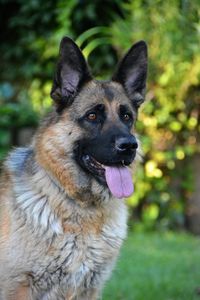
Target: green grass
156	266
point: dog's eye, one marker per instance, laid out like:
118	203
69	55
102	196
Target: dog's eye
92	116
126	117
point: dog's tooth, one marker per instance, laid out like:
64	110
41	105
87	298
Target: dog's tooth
87	157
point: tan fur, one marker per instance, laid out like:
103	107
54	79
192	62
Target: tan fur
21	293
61	230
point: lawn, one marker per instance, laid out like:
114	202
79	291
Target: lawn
155	266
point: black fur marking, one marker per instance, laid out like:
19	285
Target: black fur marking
93	125
124	109
109	93
101	148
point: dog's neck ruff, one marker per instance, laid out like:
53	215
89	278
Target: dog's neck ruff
39	196
33	193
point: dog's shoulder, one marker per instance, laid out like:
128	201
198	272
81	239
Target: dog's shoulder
17	159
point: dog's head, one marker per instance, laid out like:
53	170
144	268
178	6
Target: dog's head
100	116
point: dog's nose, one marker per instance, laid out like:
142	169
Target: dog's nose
126	143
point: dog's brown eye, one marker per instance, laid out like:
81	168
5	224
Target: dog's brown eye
92	116
126	117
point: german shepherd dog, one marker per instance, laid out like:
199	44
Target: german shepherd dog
62	219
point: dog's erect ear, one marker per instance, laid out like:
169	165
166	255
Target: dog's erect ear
72	71
132	73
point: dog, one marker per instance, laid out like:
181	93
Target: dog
63	216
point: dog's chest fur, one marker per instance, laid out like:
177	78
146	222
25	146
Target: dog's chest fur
73	246
80	260
82	256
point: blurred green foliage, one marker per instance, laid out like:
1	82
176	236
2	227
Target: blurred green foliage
168	124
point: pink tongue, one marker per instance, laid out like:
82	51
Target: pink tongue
119	181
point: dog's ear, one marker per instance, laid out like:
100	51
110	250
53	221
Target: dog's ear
132	73
72	71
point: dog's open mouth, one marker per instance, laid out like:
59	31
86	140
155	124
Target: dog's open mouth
117	177
94	166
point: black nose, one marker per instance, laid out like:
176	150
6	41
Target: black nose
126	143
